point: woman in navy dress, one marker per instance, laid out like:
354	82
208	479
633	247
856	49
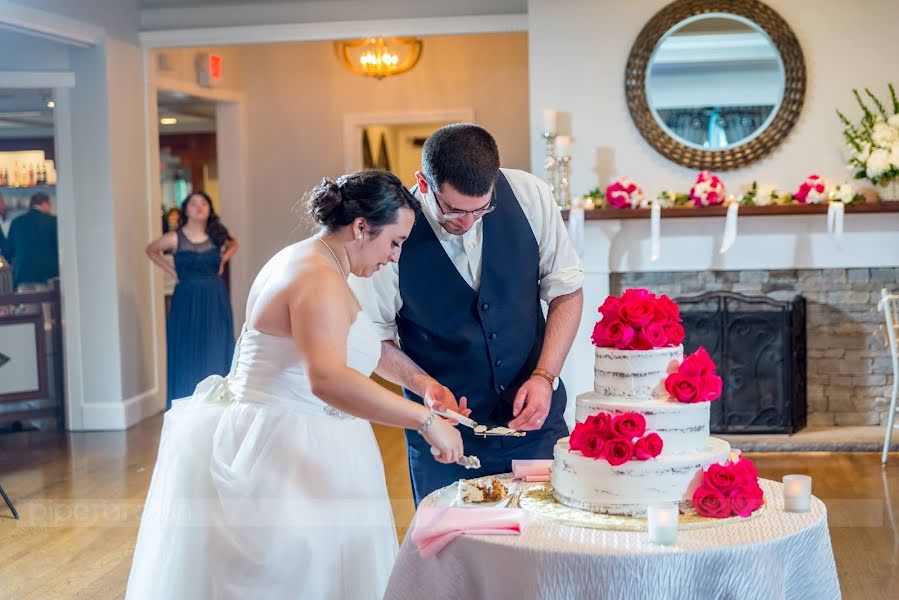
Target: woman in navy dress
200	325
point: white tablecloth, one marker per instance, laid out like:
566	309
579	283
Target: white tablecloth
774	555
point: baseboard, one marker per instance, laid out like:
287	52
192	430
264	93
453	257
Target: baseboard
118	416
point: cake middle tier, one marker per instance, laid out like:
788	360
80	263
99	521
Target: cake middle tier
635	373
682	427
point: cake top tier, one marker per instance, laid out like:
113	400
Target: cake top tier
638	320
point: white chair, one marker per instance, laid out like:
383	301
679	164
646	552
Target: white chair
889	306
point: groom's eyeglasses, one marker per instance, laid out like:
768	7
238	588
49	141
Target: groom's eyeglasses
452	212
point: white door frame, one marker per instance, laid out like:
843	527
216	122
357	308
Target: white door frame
231	156
61	82
354	123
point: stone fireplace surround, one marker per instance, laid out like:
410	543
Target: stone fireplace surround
849	369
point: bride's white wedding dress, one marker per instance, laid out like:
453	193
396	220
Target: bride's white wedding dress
261	490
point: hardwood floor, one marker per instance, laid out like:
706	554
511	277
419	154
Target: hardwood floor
80	497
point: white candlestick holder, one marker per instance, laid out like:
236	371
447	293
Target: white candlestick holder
797	493
663	521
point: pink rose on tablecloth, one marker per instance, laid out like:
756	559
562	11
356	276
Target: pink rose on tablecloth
618	451
710	502
624	193
747	469
629	425
649	446
722	478
744	500
812	191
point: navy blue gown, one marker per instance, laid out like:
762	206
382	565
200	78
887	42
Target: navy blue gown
200	329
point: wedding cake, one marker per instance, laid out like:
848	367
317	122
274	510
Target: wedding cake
642	434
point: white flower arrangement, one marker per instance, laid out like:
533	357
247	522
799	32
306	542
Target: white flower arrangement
844	193
873	144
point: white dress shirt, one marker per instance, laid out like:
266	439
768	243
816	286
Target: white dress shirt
559	265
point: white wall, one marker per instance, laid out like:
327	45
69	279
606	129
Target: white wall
298	94
21	52
846	45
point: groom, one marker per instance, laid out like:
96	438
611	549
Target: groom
464	301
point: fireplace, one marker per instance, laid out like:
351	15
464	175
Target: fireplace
759	346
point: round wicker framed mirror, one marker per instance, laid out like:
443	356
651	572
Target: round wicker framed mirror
715	84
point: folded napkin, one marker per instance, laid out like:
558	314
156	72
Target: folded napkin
437	527
531	470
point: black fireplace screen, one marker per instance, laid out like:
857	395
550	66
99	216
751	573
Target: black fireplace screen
759	347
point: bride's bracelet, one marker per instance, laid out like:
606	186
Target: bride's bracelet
428	422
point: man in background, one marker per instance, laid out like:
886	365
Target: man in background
32	246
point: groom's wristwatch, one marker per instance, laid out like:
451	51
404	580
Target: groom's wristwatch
552	379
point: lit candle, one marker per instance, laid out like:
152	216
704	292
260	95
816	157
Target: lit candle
563	143
735	455
797	493
662	524
550	118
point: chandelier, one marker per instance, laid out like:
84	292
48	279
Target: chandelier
379	57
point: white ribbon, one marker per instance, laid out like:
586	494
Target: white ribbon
835	212
730	227
576	227
655	231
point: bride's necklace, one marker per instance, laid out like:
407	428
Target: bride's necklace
342	272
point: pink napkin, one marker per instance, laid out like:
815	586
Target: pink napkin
531	470
437	527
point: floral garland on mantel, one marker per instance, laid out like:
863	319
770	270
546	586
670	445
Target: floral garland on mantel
709	190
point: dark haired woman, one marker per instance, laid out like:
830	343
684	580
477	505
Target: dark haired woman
269	483
200	336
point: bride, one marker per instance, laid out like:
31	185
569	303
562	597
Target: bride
269	483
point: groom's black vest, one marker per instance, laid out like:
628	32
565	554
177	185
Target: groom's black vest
480	344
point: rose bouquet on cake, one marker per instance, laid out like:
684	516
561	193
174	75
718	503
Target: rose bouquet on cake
695	379
638	320
729	490
617	439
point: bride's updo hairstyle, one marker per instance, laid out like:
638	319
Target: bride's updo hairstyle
376	196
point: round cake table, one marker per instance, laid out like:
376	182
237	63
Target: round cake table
772	555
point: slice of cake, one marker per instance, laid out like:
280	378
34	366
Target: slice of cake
640	370
477	491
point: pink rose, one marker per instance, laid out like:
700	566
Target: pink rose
617	334
722	478
683	388
611	308
698	364
666	310
711	387
745	500
629	425
600	423
618	451
593	444
649	446
811	191
710	502
654	335
746	469
675	334
637	312
624	193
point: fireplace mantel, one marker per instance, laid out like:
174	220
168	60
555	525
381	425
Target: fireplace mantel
764	242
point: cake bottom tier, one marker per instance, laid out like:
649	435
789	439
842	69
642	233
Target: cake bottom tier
595	485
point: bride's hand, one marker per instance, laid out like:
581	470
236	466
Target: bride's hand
445	441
